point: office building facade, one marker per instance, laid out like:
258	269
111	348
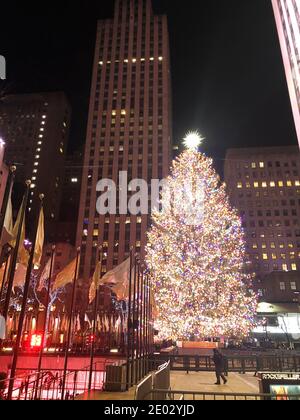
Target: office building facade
287	15
129	127
264	185
35	129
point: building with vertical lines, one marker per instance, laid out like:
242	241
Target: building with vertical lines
129	127
287	15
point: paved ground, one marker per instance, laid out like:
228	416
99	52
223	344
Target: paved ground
200	382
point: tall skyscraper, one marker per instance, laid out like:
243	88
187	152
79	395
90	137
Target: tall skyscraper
35	128
287	15
264	185
129	126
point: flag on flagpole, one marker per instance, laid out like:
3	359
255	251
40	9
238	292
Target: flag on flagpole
66	276
2	272
86	319
40	235
7	233
20	274
23	256
44	276
2	328
95	282
118	279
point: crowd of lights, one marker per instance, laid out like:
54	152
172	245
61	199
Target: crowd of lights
198	271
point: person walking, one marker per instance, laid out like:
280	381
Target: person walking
219	362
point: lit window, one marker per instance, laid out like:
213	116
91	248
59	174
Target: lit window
293	285
256	185
264	185
37	156
239	185
160	58
151	58
35	171
42	129
41	136
272	184
280	183
34	178
40	143
284	267
123	112
253	165
261	164
297	183
289	183
32	186
126	60
36	163
265	256
294	268
282	286
134	60
101	63
44	116
74	180
61	151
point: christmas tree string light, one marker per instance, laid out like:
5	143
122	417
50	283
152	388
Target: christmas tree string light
196	255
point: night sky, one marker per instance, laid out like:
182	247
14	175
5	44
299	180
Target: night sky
227	71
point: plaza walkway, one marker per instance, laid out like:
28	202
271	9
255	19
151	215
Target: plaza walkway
194	381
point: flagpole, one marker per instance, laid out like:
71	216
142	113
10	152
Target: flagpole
9	184
134	320
5	273
23	309
143	324
45	321
70	324
99	260
138	320
148	315
13	264
129	326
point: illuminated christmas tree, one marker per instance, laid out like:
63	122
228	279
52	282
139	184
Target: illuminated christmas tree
196	255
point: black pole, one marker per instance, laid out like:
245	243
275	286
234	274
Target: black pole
134	323
99	261
45	321
70	325
129	325
143	321
14	260
23	309
149	314
5	273
9	184
138	321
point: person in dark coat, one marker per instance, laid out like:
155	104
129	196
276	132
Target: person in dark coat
219	362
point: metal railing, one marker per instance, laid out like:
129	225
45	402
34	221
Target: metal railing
47	384
239	364
213	396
